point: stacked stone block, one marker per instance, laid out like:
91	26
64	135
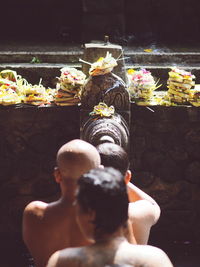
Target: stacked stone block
30	138
166	163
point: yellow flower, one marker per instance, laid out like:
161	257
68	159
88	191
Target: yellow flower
103	110
100	59
149	50
187	77
130	71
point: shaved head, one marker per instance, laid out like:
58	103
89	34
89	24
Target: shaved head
76	158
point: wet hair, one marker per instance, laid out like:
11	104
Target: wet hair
104	192
113	155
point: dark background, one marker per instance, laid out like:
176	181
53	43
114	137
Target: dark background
127	22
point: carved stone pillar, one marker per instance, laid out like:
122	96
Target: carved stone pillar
111	90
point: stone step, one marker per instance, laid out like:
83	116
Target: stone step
52	58
49	71
162	57
41	57
72	55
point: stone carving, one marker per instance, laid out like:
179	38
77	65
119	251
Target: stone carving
114	130
108	88
105	88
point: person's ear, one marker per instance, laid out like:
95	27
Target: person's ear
57	175
127	177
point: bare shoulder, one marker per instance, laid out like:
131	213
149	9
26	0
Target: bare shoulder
146	255
158	256
32	216
35	208
53	260
144	209
35	205
143	204
68	256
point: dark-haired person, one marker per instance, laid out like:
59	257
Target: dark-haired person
144	212
50	227
102	212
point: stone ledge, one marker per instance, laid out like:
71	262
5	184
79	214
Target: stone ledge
71	54
49	71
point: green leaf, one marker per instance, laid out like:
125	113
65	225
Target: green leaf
35	60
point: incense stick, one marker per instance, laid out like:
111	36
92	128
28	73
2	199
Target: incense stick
81	60
122	58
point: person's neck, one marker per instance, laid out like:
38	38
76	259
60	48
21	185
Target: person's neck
117	236
67	199
67	194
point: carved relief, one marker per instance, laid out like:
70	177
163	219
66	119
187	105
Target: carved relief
108	88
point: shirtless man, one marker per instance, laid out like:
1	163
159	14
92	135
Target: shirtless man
102	211
144	212
50	227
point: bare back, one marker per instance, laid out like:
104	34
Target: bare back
99	255
50	227
46	229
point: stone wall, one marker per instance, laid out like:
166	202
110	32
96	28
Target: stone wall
165	162
29	140
126	21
